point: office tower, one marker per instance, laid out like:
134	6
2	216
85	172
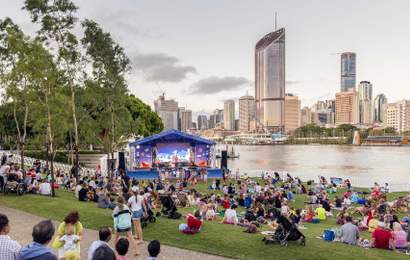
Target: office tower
292	113
398	115
211	122
180	110
229	115
167	110
270	81
218	117
379	108
186	119
246	112
331	111
347	107
348	71
305	116
365	96
202	122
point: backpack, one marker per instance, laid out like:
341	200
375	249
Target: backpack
122	220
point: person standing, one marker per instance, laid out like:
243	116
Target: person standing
42	234
137	204
9	248
123	222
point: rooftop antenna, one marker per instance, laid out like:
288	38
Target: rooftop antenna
276	21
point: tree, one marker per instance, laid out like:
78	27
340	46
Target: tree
108	86
14	72
57	19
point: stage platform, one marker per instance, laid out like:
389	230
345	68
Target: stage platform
149	174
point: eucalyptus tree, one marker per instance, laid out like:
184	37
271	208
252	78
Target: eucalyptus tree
58	21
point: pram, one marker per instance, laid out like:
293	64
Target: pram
13	184
285	232
149	213
169	208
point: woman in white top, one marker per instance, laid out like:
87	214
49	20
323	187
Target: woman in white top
138	208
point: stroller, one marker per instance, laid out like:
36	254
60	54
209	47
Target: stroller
150	217
169	208
285	232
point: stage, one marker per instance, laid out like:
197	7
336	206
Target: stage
171	151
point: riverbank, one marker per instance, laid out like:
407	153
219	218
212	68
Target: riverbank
214	238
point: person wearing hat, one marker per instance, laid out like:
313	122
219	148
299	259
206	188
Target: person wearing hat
381	237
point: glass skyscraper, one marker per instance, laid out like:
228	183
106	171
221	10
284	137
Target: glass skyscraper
270	81
348	71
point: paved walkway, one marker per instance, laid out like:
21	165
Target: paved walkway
22	224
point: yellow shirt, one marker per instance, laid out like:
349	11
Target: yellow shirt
373	223
321	213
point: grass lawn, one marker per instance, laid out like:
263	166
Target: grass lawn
214	238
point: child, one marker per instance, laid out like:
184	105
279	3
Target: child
71	250
154	248
121	247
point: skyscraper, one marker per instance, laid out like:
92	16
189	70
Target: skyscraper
229	115
202	122
365	93
292	113
270	81
167	110
246	112
186	119
398	115
348	71
379	108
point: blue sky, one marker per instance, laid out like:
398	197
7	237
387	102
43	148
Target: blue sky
202	52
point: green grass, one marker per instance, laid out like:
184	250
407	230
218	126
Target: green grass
214	238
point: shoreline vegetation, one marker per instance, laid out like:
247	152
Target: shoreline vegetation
214	238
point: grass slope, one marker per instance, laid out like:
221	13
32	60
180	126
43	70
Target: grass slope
214	238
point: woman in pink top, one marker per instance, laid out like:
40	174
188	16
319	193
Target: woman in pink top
399	238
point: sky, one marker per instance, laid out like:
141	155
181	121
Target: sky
201	53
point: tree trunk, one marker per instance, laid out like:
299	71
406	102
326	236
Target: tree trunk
77	163
50	145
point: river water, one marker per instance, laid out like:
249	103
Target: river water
363	165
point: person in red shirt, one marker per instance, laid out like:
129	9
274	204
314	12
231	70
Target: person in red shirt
381	237
226	202
193	223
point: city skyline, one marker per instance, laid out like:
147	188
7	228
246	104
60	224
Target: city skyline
202	54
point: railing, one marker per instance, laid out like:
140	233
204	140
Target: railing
29	161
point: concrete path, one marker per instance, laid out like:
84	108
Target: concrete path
22	224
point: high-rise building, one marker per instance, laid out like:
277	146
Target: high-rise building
305	116
229	115
211	121
186	119
292	113
270	81
246	112
379	108
365	96
347	107
202	122
167	110
348	71
398	115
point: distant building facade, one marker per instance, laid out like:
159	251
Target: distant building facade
167	110
379	108
305	116
365	97
347	71
229	115
246	113
292	113
347	107
202	122
186	119
398	115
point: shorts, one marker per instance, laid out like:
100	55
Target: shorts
123	230
136	215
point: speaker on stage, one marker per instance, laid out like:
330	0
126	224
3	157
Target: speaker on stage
224	159
121	161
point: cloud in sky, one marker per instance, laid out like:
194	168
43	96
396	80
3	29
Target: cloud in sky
161	67
213	84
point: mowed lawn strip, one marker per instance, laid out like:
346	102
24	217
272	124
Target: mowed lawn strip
214	238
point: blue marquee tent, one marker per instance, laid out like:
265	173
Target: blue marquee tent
172	136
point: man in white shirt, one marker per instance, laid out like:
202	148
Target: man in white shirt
9	248
230	216
104	237
45	188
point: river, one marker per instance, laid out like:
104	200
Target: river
363	165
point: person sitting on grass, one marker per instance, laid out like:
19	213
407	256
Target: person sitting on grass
349	232
230	216
82	193
154	248
382	237
320	213
45	188
399	238
193	224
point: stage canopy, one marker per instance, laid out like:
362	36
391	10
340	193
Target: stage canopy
172	136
